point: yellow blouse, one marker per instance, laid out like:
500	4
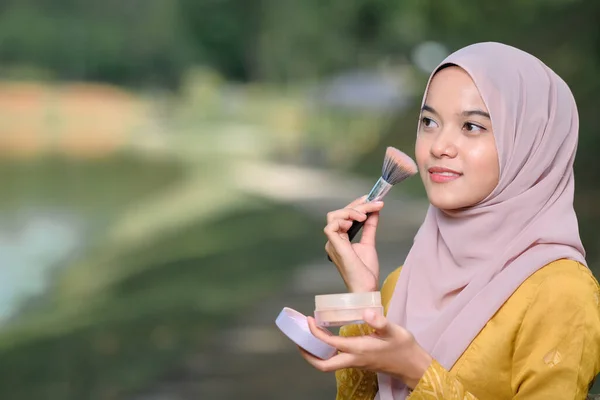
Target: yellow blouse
543	343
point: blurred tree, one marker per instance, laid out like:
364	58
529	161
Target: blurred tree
309	39
224	33
130	42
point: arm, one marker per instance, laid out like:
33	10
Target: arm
557	350
353	383
437	384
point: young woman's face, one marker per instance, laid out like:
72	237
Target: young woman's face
455	149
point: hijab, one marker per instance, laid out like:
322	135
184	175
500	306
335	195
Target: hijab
465	264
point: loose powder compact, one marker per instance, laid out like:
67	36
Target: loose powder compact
330	310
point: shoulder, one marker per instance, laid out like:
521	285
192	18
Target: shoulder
563	281
562	297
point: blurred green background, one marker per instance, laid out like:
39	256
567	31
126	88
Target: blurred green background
166	167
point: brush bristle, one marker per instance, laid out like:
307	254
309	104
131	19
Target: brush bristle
397	166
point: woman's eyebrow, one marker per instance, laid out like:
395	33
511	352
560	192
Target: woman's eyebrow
429	108
476	112
466	113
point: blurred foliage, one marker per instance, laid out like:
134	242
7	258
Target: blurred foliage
146	322
127	42
119	313
154	41
86	186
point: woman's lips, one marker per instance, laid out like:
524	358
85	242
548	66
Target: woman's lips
443	175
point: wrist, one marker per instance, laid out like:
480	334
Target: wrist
362	289
420	361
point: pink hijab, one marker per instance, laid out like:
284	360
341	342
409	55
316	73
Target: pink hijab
462	267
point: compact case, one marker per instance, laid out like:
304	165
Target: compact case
346	308
330	310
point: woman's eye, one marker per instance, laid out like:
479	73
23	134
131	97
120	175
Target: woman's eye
428	122
473	128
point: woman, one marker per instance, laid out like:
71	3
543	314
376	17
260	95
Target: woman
494	300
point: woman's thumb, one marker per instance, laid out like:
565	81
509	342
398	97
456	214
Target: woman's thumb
370	229
378	322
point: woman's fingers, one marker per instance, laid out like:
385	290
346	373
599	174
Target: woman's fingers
339	361
334	232
370	229
358	201
333	228
345	225
340	221
357	213
341	343
346	213
371	207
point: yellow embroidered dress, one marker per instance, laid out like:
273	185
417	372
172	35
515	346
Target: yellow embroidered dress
543	343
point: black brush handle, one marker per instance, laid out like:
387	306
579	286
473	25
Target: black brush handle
354	229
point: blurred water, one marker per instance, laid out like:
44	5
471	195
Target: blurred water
33	243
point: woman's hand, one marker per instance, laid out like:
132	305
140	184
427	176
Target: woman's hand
391	350
356	262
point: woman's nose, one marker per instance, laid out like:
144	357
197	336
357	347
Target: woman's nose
444	145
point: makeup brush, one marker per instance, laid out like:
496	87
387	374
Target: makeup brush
397	166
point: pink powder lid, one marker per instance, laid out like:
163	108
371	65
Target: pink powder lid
295	326
347	300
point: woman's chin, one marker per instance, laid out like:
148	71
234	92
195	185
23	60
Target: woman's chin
448	202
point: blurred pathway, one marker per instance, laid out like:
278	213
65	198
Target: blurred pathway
251	359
